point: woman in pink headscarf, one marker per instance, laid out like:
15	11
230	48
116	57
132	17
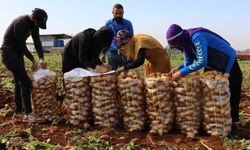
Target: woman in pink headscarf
141	47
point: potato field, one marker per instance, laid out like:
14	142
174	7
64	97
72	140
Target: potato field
87	115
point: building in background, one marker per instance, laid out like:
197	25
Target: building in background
52	43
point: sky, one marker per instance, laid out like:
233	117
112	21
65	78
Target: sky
228	18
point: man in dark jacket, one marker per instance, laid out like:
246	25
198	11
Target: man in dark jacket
84	48
14	48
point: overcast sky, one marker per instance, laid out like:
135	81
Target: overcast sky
228	18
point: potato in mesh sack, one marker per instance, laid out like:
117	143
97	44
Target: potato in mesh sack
131	89
159	102
43	94
104	100
187	104
78	100
216	104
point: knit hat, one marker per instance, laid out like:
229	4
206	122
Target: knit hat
173	35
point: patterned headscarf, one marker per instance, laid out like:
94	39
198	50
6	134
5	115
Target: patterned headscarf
122	37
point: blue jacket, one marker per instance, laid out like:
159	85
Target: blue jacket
124	25
208	51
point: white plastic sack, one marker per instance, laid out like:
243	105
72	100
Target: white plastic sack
78	73
43	73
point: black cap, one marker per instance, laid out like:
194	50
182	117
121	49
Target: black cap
41	17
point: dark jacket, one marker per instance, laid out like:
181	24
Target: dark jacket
16	35
84	48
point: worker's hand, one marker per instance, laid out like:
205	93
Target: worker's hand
43	64
34	66
176	76
103	68
109	67
174	71
120	69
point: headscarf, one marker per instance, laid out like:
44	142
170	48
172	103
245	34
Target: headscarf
122	37
182	39
105	35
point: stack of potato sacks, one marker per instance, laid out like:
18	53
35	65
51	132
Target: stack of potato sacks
43	94
216	104
159	102
131	89
104	100
187	104
77	100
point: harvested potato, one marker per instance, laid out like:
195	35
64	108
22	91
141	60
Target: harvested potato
43	94
187	104
216	104
104	100
159	101
131	89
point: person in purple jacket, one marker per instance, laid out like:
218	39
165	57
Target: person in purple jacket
205	49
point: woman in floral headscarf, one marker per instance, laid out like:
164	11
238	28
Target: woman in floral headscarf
139	48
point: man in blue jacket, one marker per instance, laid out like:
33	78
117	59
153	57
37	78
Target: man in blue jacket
115	59
204	48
